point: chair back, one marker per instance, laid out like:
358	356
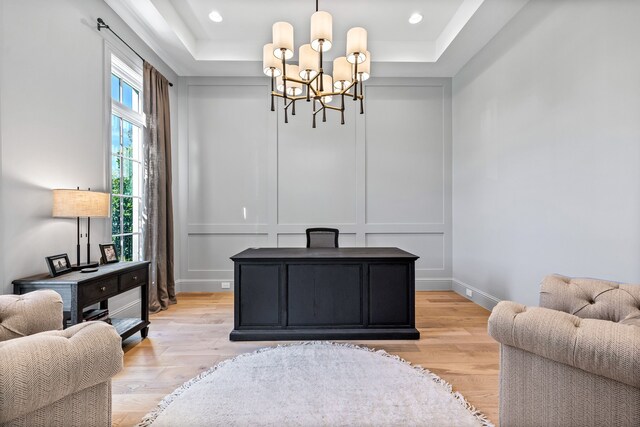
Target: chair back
322	237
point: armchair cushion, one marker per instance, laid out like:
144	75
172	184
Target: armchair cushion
41	369
592	298
30	313
600	347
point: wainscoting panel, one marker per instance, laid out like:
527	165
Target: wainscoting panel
227	153
211	252
429	247
405	154
247	179
317	169
300	240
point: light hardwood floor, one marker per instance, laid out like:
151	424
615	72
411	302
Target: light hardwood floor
194	335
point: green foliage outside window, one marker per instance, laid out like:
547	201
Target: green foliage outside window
123	173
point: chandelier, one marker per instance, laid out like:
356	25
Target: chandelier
307	80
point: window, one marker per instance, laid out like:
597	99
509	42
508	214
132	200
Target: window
127	121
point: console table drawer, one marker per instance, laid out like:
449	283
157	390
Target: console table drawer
133	279
97	291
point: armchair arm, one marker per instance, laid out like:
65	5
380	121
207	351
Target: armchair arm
601	347
30	313
40	369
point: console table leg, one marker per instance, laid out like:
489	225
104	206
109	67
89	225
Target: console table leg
144	332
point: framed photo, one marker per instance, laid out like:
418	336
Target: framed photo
58	264
109	253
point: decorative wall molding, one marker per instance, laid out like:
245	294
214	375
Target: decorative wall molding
287	152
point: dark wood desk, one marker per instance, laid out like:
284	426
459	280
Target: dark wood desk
80	290
324	293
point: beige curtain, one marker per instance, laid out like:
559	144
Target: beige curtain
157	210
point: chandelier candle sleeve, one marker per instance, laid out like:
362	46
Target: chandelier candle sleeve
356	45
321	31
283	40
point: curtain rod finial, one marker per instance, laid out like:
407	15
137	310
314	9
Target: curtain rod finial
101	24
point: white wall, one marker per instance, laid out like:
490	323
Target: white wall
546	130
53	112
383	178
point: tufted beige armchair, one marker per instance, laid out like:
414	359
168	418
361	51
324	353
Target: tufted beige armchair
54	378
574	361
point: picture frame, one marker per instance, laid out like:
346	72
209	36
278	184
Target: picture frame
58	264
109	253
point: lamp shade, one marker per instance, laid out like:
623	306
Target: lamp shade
341	72
293	88
283	40
80	203
327	84
364	69
321	30
270	64
356	45
309	61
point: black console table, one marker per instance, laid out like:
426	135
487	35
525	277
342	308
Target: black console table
80	290
324	293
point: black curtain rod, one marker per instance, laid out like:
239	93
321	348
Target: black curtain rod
101	24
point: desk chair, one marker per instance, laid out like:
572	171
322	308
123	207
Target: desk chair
322	237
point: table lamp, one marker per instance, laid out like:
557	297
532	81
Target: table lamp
81	204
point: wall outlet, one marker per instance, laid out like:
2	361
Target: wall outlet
226	285
469	293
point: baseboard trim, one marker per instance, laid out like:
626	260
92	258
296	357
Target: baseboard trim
433	285
481	298
208	285
202	285
131	309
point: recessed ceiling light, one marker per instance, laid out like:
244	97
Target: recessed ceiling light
216	17
415	18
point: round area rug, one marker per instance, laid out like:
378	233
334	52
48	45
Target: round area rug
315	384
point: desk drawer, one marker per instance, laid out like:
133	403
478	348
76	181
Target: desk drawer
97	291
133	279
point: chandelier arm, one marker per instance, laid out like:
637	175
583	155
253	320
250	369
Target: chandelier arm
355	74
313	124
284	79
273	82
361	99
331	107
321	72
293	79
